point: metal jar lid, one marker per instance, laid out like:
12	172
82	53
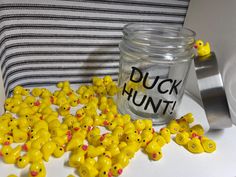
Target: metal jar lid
212	91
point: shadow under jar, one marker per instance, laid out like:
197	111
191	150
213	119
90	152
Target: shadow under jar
154	64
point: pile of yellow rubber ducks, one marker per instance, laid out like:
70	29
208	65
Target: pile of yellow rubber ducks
43	125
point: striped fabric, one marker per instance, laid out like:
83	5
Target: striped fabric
46	41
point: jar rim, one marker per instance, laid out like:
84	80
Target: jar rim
132	27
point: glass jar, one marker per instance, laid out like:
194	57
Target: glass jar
154	64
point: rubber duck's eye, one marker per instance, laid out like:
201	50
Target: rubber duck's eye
20	160
143	140
127	137
135	131
31	131
12	107
11	120
150	129
6	153
101	143
8	138
60	149
104	172
26	115
159	153
40	169
104	153
32	137
138	139
115	167
110	123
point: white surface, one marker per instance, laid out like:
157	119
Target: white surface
214	21
176	161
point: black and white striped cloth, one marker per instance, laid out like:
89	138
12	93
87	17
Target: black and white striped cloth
46	41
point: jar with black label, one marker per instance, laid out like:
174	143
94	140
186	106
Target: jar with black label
154	65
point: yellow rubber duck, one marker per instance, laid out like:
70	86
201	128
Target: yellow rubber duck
36	92
159	139
114	149
184	125
80	114
37	169
116	169
155	156
122	159
165	132
208	145
118	132
198	129
77	158
152	147
129	149
34	155
58	152
146	136
104	160
139	124
41	124
19	136
64	109
173	126
182	138
48	149
74	143
195	146
60	140
17	90
11	155
22	161
105	172
7	140
87	170
99	120
112	89
202	50
45	93
92	134
30	100
188	117
129	128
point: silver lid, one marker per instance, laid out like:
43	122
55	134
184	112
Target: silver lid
212	92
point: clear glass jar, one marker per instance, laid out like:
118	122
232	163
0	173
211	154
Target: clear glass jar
154	64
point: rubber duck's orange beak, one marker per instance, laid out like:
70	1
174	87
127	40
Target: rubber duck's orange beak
6	143
195	46
110	174
154	155
1	154
34	173
76	128
24	147
84	147
105	123
120	171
